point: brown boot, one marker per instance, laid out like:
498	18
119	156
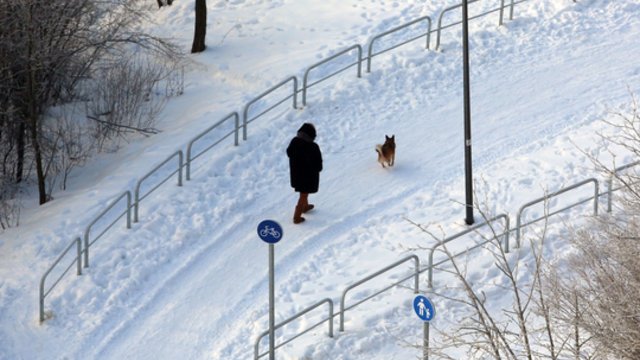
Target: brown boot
297	215
303	202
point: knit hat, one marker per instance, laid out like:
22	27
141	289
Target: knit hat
308	129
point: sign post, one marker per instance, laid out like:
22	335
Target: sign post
425	311
271	232
467	116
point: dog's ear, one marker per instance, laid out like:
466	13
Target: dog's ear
393	137
386	137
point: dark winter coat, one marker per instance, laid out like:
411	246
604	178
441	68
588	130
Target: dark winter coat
305	160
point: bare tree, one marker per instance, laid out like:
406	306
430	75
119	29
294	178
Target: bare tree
9	203
200	27
605	269
524	330
67	143
127	98
48	51
603	286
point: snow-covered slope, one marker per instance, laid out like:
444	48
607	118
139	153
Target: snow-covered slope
190	279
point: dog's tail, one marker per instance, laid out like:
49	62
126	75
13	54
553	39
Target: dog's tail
379	149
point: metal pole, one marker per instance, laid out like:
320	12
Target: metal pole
467	116
425	351
272	320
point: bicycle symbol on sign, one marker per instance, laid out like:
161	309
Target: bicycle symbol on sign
268	230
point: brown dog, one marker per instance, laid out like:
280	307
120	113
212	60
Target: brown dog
387	151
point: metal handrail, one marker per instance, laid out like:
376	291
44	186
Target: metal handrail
500	21
267	92
137	199
502	7
202	134
462	233
377	273
294	317
77	260
440	20
519	224
610	188
398	28
95	220
306	73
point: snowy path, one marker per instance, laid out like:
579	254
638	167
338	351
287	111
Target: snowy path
545	88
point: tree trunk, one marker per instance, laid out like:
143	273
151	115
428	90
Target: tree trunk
35	142
201	27
20	144
42	191
33	115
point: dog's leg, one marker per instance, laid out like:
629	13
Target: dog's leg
380	158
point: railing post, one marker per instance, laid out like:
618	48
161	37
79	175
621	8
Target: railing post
188	162
180	165
78	256
295	92
237	122
430	272
128	209
610	194
341	327
596	197
416	281
136	202
440	25
78	259
86	247
518	225
511	13
41	298
359	60
330	318
506	235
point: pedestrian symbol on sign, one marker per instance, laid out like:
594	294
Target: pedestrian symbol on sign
423	308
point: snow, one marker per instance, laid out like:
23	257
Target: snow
190	280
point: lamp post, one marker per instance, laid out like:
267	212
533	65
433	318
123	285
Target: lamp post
467	116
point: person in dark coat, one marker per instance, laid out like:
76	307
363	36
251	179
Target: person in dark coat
305	164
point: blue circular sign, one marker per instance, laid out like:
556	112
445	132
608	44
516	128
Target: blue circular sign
423	308
269	231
